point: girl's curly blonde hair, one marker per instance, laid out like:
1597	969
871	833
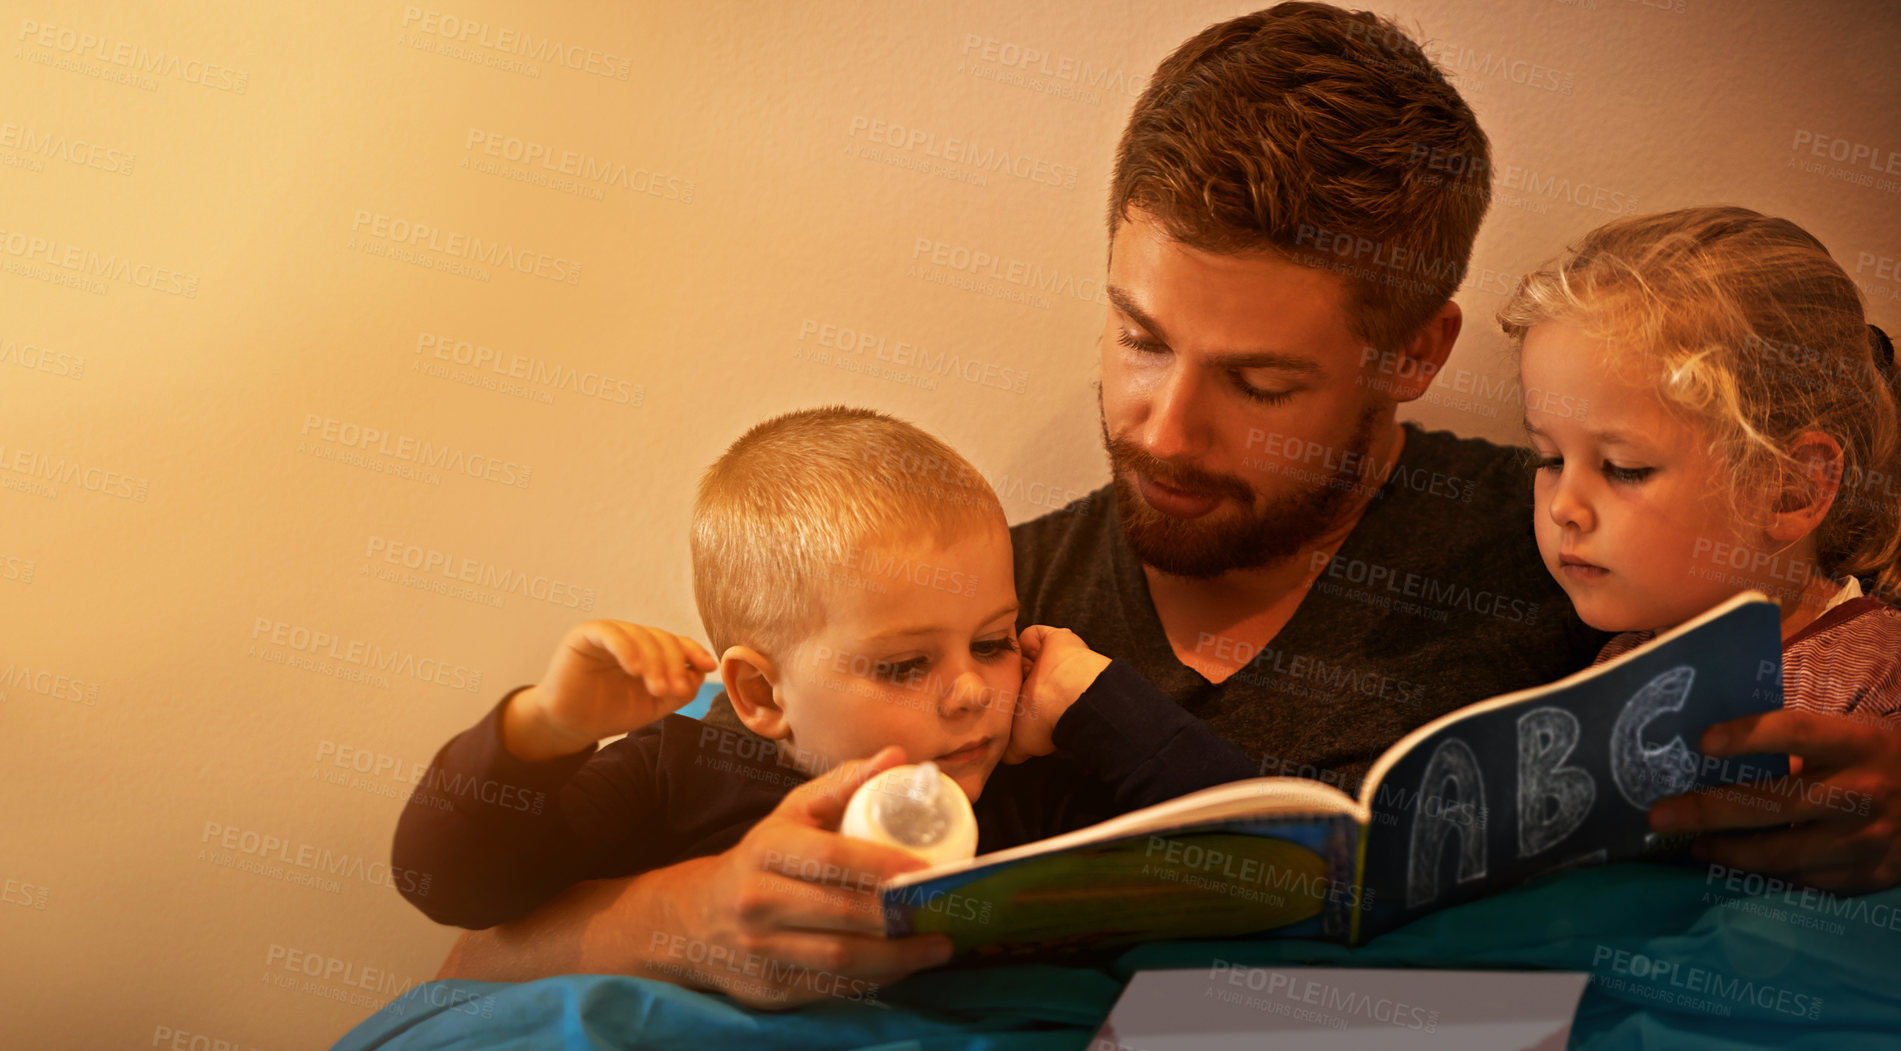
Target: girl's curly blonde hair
1750	329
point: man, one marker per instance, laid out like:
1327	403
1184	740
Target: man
1274	551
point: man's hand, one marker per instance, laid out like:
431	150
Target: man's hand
1843	798
787	916
606	677
791	914
1057	667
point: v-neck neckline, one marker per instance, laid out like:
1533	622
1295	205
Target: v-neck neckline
1138	604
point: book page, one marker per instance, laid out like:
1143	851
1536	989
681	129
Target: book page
1263	797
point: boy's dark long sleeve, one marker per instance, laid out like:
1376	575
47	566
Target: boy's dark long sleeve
491	837
485	829
1142	744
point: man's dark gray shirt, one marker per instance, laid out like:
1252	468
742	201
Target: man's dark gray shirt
1438	598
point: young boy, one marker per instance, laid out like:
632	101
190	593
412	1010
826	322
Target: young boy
855	576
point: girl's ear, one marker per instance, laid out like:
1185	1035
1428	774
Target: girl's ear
1809	487
752	686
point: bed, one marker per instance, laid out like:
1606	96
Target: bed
1678	957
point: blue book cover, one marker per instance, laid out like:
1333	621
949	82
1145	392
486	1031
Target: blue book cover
1472	803
1489	796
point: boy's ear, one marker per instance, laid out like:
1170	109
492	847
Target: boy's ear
752	686
1809	487
1407	375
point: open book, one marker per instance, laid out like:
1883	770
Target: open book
1475	802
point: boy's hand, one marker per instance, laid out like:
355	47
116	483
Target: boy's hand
607	677
1834	823
1057	667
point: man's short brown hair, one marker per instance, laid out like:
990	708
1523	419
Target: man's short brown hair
1324	136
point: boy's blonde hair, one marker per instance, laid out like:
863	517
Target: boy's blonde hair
783	514
1751	330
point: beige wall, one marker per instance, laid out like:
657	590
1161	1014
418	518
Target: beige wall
195	404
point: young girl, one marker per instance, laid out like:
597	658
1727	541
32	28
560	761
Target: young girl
1711	413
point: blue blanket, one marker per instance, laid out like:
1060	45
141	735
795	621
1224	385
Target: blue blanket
1677	958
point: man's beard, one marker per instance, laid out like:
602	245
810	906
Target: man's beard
1198	548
